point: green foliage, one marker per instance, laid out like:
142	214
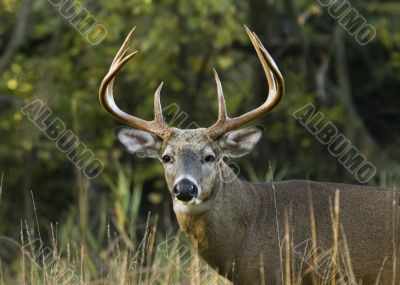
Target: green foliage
179	42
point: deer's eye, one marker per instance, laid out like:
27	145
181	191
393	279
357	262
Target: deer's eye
209	158
166	158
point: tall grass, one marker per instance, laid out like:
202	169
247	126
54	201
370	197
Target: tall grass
104	243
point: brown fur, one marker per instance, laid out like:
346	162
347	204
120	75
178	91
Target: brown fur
238	226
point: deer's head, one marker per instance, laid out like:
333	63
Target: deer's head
191	157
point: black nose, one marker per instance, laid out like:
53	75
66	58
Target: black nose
185	190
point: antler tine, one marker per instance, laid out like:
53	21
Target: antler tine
158	116
278	84
222	114
106	96
124	47
276	90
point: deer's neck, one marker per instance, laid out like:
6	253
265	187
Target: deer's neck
218	231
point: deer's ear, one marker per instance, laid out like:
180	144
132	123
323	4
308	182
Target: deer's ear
240	142
141	143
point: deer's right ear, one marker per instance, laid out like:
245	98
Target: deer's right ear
141	143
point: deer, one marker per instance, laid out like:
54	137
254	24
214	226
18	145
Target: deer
260	233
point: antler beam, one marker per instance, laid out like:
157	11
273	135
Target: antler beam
157	126
276	90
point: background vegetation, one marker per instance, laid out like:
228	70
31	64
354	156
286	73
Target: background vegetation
43	56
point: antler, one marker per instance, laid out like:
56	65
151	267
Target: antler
106	96
276	89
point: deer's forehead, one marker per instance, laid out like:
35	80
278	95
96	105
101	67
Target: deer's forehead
187	141
194	137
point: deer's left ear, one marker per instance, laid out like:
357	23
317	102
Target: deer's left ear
240	142
141	143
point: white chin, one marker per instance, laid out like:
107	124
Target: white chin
186	206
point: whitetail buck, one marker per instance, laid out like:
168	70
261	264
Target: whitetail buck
243	230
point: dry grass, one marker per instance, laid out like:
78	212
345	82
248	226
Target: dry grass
107	248
119	251
151	261
317	266
167	262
